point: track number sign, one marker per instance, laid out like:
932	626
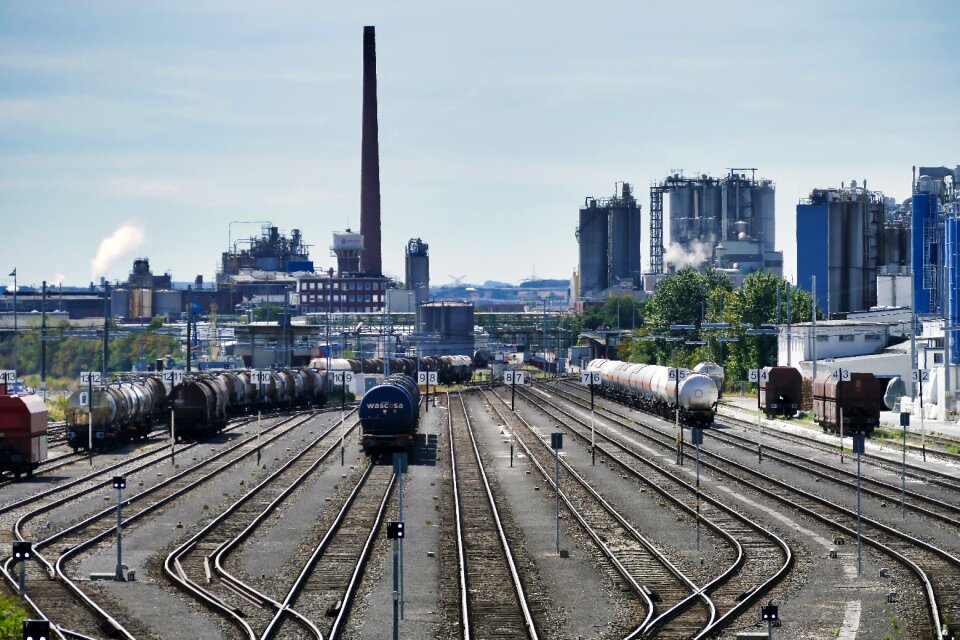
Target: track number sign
173	377
590	377
513	377
343	377
8	376
920	375
677	374
841	374
759	375
91	378
427	377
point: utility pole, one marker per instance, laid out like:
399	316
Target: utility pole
16	363
190	346
813	340
789	343
43	343
106	330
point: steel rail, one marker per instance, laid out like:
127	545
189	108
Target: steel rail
530	626
756	591
318	551
922	576
644	624
56	569
173	566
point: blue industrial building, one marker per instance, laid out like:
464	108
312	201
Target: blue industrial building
840	240
925	241
952	307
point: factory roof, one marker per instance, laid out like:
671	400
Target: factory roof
841	323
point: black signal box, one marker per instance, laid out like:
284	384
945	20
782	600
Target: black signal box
769	612
22	550
395	530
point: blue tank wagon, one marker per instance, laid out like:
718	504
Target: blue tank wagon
389	414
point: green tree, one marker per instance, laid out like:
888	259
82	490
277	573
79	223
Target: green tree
12	615
755	304
687	297
267	312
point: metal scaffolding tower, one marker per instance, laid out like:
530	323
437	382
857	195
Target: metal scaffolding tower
656	228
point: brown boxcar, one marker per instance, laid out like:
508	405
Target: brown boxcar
23	425
780	393
856	401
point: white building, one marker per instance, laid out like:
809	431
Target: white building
941	393
834	339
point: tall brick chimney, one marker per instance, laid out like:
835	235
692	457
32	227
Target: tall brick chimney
370	258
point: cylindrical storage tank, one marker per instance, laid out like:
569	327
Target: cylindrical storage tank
764	210
120	303
620	249
713	208
141	303
167	303
680	201
592	235
891	246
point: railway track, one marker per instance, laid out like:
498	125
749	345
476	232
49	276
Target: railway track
488	608
763	558
198	565
48	581
916	471
935	508
328	582
674	605
937	570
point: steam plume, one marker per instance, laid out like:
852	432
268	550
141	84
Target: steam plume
125	239
676	255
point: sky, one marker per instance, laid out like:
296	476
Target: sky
157	124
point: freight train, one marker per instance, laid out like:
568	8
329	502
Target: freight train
203	405
781	391
130	409
120	412
856	403
450	369
23	433
389	414
649	387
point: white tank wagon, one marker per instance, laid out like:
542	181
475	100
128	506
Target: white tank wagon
649	387
713	371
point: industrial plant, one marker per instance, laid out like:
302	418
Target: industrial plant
686	425
726	223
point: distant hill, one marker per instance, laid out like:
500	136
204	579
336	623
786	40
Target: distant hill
545	283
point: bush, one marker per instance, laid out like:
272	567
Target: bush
11	620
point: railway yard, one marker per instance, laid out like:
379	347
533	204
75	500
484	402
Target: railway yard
275	530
